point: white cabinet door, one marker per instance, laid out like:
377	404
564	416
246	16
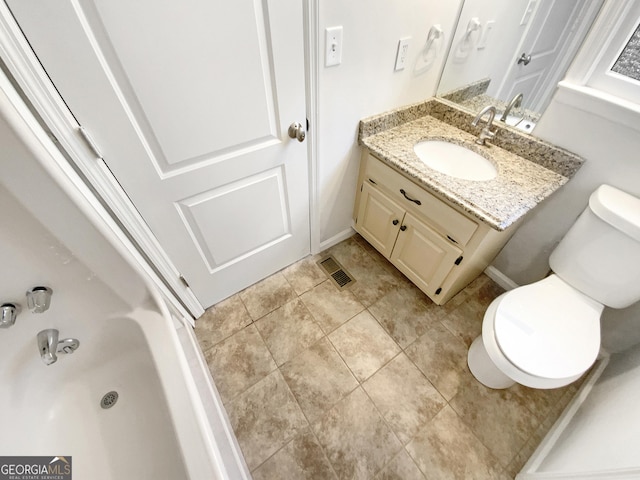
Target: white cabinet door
379	219
423	255
190	103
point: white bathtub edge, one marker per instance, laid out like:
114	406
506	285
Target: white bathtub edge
212	409
217	433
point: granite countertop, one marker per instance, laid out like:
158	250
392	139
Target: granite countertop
519	186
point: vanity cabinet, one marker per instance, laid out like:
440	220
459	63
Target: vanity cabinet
437	246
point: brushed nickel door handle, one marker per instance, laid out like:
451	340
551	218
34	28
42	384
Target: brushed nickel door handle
524	58
296	130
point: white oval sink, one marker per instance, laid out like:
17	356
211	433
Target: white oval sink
455	160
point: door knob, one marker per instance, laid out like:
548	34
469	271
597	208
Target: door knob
296	130
524	58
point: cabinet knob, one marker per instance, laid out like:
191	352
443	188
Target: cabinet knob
395	222
403	228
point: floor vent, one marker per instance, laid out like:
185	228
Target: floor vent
337	273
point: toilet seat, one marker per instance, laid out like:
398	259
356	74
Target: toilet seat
548	329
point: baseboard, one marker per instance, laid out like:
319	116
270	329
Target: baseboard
500	278
530	470
330	242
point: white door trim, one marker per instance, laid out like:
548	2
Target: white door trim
35	85
312	75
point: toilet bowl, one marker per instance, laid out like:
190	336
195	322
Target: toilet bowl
542	335
547	334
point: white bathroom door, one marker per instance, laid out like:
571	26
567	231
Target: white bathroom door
190	104
547	39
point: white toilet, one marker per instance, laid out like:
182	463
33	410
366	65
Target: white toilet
547	334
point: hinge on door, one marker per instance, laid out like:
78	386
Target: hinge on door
89	141
458	260
184	281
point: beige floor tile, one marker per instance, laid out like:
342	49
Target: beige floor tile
267	295
304	274
447	449
358	432
221	321
318	378
373	280
330	306
356	438
405	313
499	418
539	402
238	362
465	321
364	345
484	290
301	459
265	418
404	397
442	357
401	468
288	330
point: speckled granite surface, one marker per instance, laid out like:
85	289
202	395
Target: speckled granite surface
529	170
462	94
474	97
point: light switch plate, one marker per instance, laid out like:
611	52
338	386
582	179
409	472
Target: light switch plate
401	54
486	31
333	46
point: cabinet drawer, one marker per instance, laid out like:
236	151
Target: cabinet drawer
445	219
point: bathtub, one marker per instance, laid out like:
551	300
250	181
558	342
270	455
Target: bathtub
168	422
157	429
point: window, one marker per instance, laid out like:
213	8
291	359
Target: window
617	72
628	63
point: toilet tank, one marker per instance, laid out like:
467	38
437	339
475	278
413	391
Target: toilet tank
600	254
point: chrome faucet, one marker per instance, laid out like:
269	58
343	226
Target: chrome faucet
485	133
47	345
514	103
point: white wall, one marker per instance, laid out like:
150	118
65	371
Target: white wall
365	84
468	65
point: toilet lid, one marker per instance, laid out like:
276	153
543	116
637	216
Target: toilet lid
548	329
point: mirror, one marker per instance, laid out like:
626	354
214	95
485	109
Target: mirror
502	48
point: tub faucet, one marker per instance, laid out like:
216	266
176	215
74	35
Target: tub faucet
47	345
514	103
485	133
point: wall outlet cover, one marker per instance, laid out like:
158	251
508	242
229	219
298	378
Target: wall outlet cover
401	54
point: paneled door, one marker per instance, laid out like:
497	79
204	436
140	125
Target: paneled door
190	103
545	48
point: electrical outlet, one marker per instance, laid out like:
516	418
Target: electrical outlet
333	46
401	55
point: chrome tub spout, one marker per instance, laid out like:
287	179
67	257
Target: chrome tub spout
47	345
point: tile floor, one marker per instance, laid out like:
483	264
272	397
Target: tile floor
370	382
